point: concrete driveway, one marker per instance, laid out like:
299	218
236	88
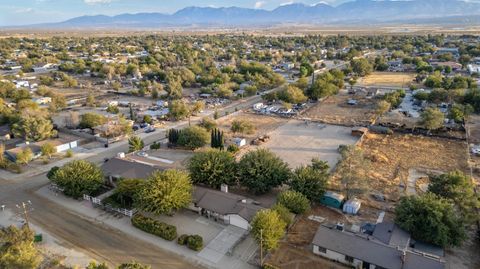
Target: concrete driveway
222	243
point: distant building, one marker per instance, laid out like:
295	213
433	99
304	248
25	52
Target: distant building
473	69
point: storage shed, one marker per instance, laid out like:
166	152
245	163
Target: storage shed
332	199
352	206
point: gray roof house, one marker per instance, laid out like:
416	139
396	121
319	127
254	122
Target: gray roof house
117	168
230	208
389	247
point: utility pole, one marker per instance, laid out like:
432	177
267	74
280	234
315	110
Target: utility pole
25	212
261	247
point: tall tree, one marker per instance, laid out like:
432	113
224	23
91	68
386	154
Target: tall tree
262	170
78	178
164	192
432	119
268	228
17	250
135	143
213	168
352	170
310	180
431	219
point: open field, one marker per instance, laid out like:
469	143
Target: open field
263	124
393	156
390	79
298	142
335	110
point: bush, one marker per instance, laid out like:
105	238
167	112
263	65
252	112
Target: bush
193	137
182	239
69	153
295	202
149	225
233	148
195	242
155	146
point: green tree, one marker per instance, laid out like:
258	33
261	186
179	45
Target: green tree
113	109
91	120
310	180
213	168
164	192
382	108
352	170
126	190
457	187
135	143
78	178
216	139
17	249
242	126
430	219
361	67
284	213
178	110
208	124
48	149
295	201
34	128
261	170
193	137
432	119
24	156
292	94
268	228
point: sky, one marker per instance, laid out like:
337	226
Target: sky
24	12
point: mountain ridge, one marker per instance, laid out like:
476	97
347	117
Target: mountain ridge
359	11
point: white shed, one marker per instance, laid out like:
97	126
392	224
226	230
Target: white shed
352	206
240	142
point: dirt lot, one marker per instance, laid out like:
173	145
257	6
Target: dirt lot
298	142
263	124
335	110
389	79
288	257
392	156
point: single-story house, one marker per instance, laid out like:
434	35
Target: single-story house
332	199
389	249
223	206
61	144
118	168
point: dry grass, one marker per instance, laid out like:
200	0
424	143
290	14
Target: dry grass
392	156
391	79
335	110
263	124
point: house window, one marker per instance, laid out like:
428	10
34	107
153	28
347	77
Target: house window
322	250
348	259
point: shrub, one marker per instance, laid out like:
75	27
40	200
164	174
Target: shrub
295	202
155	146
182	239
69	153
195	242
149	225
233	148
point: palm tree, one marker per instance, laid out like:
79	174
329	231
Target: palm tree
135	143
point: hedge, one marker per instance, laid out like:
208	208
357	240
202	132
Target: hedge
194	242
149	225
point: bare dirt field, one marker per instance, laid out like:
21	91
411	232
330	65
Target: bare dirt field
392	156
297	142
335	110
389	79
288	257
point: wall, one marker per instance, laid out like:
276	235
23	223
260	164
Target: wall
332	255
238	221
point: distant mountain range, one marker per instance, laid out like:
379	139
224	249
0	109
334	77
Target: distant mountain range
349	13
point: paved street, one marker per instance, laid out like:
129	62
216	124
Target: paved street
94	239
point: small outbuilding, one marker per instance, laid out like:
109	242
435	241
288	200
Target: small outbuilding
240	142
332	199
352	206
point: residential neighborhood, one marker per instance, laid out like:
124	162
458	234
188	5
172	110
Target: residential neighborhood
128	141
